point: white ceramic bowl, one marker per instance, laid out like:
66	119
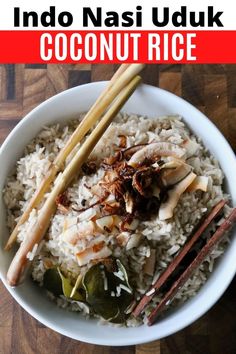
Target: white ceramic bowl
149	101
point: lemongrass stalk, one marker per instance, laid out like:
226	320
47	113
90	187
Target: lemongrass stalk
120	79
117	74
57	165
35	235
98	109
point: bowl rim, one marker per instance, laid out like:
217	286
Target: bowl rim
153	335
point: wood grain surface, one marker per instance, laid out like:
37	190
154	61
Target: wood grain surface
211	88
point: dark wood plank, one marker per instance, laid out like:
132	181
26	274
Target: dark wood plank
77	77
170	68
48	341
3	83
6	309
149	348
10	81
232	127
24	332
102	72
36	66
215	94
193	84
231	87
34	89
171	81
150	75
57	79
222	324
6	126
5	340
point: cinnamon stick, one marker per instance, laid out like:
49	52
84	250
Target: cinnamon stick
204	252
146	299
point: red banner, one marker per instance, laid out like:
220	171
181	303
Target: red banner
118	46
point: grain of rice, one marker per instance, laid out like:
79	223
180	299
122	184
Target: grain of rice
150	292
125	288
119	275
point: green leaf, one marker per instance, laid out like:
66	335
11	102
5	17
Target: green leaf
78	296
52	281
58	284
66	285
125	298
96	295
99	288
106	308
102	295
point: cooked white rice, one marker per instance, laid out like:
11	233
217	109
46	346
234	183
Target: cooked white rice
167	237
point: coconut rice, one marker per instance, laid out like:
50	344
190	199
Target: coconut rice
165	237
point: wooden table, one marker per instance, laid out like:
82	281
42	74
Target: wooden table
211	88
